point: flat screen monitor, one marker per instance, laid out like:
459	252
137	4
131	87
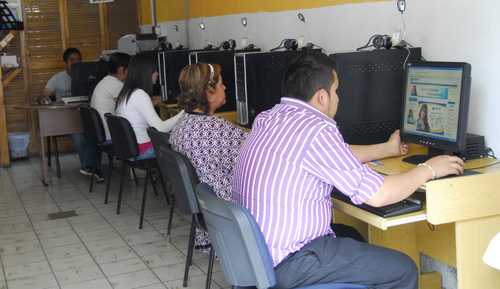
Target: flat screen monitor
435	107
85	76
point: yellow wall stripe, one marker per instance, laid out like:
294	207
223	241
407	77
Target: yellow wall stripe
174	10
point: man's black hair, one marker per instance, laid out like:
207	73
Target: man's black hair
70	51
307	74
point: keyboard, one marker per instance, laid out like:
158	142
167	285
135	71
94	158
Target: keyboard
71	99
405	206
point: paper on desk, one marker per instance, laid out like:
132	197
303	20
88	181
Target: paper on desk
492	255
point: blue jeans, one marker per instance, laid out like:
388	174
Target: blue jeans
149	154
85	151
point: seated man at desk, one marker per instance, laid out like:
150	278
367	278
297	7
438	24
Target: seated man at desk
289	164
60	86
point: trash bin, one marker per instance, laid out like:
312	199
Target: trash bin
18	144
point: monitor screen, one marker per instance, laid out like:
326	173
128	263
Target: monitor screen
85	76
436	106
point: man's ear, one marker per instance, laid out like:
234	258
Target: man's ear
322	97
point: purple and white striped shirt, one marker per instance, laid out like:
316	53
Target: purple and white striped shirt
286	169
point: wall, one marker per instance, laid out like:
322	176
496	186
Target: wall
453	30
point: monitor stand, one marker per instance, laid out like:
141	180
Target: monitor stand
432	152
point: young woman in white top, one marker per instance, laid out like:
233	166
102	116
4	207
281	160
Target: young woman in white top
107	90
134	102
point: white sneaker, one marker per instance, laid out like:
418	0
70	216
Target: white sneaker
86	171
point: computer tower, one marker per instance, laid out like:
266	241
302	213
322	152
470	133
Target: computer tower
225	59
170	65
370	92
258	81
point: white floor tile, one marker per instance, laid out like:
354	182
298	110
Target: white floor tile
78	275
123	266
72	262
114	255
27	270
101	283
21	247
43	281
138	279
23	258
97	248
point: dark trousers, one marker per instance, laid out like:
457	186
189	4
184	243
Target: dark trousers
345	260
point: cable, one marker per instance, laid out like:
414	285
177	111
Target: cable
408	56
404	27
279	46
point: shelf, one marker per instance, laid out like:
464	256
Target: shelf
10	75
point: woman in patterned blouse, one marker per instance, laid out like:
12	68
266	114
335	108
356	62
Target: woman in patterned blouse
210	142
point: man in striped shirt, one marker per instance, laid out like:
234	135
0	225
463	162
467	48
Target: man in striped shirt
288	166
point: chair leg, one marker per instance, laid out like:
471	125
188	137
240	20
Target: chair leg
49	158
56	155
121	187
190	252
210	267
110	171
167	239
135	177
145	194
93	171
164	187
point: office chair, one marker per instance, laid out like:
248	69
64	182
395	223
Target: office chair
159	138
96	136
127	150
240	245
183	178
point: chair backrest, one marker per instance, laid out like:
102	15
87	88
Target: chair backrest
238	241
122	136
92	124
182	176
159	138
240	245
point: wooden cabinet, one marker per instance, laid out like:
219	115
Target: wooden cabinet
8	77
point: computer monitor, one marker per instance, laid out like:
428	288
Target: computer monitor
85	76
435	107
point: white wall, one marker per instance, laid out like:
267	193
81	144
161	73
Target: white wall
452	30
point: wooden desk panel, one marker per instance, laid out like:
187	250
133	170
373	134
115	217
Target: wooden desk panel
54	120
465	214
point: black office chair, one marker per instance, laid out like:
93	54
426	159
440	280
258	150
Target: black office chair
96	136
127	150
241	247
159	138
183	178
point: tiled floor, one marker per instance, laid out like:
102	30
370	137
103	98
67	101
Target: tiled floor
97	248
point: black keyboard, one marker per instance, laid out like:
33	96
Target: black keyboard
405	206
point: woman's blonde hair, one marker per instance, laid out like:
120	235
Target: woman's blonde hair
194	81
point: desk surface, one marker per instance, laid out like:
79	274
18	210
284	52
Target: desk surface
36	106
465	197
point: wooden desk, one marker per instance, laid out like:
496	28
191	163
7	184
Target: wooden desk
465	213
54	120
169	110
